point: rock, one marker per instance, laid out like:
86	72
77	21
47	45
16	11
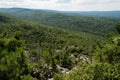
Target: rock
84	57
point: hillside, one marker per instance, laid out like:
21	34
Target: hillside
31	51
35	48
91	25
39	32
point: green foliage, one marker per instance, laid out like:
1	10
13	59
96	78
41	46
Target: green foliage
2	45
118	27
66	61
104	66
99	71
110	52
12	60
59	77
28	77
11	46
17	35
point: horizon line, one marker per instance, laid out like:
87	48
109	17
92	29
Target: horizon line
58	10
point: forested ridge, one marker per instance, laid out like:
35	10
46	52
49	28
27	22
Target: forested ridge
92	25
30	50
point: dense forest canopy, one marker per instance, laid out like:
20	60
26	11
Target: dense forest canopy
89	24
45	44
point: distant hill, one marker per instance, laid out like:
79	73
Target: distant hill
66	20
104	14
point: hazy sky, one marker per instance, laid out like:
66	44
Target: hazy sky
69	5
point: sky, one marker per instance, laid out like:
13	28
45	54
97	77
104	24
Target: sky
64	5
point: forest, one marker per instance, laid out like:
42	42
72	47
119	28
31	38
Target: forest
53	45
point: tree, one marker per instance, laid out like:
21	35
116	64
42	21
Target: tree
18	35
66	61
118	28
12	60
